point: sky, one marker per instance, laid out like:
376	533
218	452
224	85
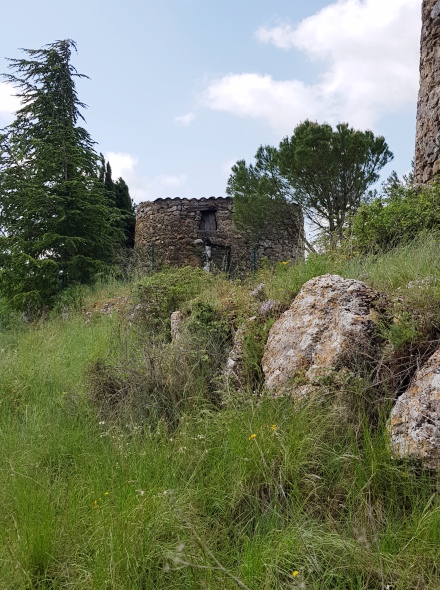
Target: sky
179	90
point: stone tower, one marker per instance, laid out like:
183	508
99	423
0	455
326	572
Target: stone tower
178	231
427	156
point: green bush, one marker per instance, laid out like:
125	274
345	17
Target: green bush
396	217
159	294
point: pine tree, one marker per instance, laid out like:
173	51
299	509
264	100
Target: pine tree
57	227
326	172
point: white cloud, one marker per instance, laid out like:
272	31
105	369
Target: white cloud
170	180
121	164
185	120
370	53
141	188
9	103
125	165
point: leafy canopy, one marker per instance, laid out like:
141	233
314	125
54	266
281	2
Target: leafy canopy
325	171
57	227
263	199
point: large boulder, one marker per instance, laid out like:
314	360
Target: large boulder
414	424
331	320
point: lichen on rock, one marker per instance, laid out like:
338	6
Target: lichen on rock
331	321
414	425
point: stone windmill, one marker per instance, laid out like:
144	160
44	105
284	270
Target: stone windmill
427	155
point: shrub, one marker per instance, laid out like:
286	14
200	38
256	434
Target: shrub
163	381
158	295
396	217
168	383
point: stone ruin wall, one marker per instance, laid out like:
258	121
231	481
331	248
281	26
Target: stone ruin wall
175	229
427	155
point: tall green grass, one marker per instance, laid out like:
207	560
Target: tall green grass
245	494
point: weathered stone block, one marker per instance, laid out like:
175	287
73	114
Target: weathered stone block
330	320
428	114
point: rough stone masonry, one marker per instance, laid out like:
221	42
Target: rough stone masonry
178	230
427	155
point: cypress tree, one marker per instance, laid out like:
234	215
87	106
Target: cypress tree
126	206
118	196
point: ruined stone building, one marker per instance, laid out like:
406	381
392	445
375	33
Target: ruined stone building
427	155
179	232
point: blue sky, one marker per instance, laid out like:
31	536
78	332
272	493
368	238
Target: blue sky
181	89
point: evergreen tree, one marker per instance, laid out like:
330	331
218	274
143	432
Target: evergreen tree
126	206
57	225
330	171
118	196
109	186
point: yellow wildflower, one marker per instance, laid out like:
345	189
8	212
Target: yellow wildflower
295	573
105	493
273	427
252	436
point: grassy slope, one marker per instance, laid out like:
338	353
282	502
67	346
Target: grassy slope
125	505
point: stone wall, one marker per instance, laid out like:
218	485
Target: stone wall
427	156
175	231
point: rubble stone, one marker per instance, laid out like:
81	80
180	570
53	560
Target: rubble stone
179	228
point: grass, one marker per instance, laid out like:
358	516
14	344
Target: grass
97	499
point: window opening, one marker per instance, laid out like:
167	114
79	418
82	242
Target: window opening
208	222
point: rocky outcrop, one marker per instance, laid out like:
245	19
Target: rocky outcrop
415	419
427	156
331	320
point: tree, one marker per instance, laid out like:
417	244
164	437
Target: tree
57	227
263	199
326	172
118	195
126	207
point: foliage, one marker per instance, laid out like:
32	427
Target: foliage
326	172
207	320
263	200
118	196
331	170
57	228
253	348
159	294
265	489
397	216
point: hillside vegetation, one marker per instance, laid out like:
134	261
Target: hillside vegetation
129	462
